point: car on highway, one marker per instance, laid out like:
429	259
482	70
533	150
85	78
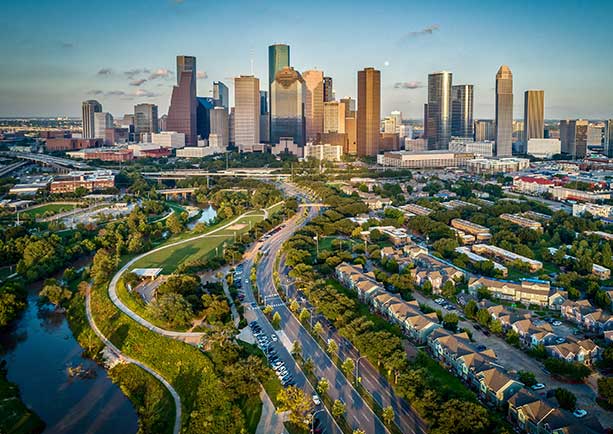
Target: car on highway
538	386
316	399
580	413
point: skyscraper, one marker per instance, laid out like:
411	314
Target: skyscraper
287	103
220	124
534	116
425	135
102	121
246	117
349	105
462	110
264	117
485	129
369	112
334	117
221	94
314	104
608	137
183	106
439	110
278	58
573	137
204	105
88	108
146	118
504	112
328	89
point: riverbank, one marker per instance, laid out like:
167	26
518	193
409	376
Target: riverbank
15	417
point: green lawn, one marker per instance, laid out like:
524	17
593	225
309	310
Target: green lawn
51	208
252	409
15	417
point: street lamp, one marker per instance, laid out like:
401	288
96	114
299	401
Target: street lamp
313	419
357	369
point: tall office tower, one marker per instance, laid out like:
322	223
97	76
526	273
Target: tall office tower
146	118
232	125
278	58
389	125
504	112
163	122
182	112
328	89
314	104
485	129
425	135
594	135
349	105
221	94
573	137
462	110
264	117
204	105
369	112
439	110
608	137
397	116
220	125
246	110
88	108
351	130
102	121
334	117
287	102
534	117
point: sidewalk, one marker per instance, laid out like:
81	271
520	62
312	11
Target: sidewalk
270	422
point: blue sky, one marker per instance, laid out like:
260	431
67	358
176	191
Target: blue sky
54	54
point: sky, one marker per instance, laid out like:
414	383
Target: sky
55	54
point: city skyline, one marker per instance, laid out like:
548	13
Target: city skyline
72	67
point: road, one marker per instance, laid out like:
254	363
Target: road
175	396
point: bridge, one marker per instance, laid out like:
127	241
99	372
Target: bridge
314	205
61	164
8	169
173	193
238	173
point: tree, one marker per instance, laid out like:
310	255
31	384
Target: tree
322	386
483	317
338	408
267	310
216	308
359	431
12	302
512	338
172	309
462	417
297	403
55	293
496	327
566	399
527	378
304	315
388	415
103	266
471	309
348	367
574	371
294	306
296	349
605	390
276	320
319	329
173	224
332	347
450	321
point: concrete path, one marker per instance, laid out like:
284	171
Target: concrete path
270	422
175	396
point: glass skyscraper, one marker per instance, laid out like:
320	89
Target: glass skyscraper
462	110
287	104
534	117
278	58
182	110
88	108
504	112
221	94
439	110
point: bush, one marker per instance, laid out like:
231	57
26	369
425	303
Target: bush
573	371
566	399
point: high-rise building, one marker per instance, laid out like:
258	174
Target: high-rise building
608	137
439	110
220	125
351	128
573	137
221	94
287	103
534	116
334	117
246	118
328	89
485	130
349	105
203	116
182	112
102	121
425	135
146	118
88	108
594	135
264	117
504	112
278	58
314	104
462	110
369	112
397	116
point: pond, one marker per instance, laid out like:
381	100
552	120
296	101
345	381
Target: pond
38	350
207	215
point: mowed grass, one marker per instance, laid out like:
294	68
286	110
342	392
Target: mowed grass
51	208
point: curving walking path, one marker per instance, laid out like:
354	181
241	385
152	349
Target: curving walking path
175	396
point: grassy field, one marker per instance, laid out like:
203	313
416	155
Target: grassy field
51	208
15	417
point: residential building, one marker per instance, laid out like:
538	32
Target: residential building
485	130
507	256
504	112
522	221
534	117
473	257
71	144
439	110
582	351
462	110
425	159
247	110
535	185
528	291
314	103
416	209
481	233
544	148
564	193
369	112
500	165
88	109
287	103
324	152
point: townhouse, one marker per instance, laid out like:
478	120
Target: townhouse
582	312
583	351
528	291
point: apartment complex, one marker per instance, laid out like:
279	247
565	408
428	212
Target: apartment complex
424	160
481	233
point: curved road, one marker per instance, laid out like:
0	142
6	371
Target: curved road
175	396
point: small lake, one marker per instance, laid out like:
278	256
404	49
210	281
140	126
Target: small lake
38	350
207	215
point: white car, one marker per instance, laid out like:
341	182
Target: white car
316	399
274	337
538	386
557	323
579	413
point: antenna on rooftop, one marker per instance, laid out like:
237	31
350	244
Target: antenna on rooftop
252	55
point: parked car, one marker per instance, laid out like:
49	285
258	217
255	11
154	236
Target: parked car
560	340
538	386
579	413
316	399
481	347
274	337
557	323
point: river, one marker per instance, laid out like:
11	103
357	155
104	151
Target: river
38	349
207	215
